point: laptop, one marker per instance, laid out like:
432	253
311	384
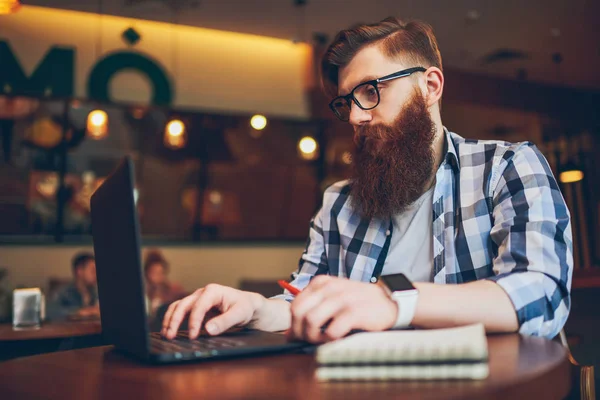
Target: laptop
116	236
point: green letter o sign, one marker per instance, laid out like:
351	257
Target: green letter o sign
105	69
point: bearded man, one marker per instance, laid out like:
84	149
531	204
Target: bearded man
452	231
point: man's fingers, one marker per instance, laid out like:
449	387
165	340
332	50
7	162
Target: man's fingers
236	315
236	307
340	326
321	287
167	317
212	296
302	305
319	316
180	311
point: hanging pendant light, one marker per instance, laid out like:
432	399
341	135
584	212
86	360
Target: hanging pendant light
258	122
175	135
9	6
97	124
97	121
307	148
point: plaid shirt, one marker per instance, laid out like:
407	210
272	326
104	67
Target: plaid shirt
498	214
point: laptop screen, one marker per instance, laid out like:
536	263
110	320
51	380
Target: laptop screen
116	236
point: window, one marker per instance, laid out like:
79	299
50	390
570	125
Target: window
227	181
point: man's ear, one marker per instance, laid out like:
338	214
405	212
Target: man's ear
434	82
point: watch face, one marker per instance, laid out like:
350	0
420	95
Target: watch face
397	282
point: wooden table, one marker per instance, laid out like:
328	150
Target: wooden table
520	367
51	330
51	336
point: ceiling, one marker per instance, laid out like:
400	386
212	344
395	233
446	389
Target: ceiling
468	31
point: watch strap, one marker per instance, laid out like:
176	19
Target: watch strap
407	305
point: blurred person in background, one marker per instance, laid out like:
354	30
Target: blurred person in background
159	290
78	299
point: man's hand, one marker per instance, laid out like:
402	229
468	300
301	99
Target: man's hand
341	305
237	309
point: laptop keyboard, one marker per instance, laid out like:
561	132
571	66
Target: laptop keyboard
201	345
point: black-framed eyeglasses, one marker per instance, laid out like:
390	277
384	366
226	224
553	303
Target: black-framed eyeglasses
366	94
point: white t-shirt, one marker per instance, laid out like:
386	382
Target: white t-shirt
411	246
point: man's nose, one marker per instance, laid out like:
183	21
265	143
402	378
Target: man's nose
358	116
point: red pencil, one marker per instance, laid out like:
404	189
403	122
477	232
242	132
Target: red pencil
290	288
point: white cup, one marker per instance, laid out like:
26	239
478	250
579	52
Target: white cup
27	308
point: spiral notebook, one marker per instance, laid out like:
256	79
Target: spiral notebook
451	353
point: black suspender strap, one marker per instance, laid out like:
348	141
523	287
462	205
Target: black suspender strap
383	255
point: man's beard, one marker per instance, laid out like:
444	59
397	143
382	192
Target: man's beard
392	164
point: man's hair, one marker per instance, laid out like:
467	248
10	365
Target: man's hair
154	256
413	42
81	259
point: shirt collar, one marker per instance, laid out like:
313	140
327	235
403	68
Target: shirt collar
451	156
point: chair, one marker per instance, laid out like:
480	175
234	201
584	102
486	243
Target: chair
55	284
584	374
583	333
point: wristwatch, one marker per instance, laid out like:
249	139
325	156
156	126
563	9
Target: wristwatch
402	291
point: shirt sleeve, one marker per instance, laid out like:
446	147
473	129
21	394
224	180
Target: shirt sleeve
532	231
62	305
313	260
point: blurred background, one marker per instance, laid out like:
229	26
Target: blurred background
219	104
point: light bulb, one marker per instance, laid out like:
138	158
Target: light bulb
97	124
308	148
175	136
258	122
